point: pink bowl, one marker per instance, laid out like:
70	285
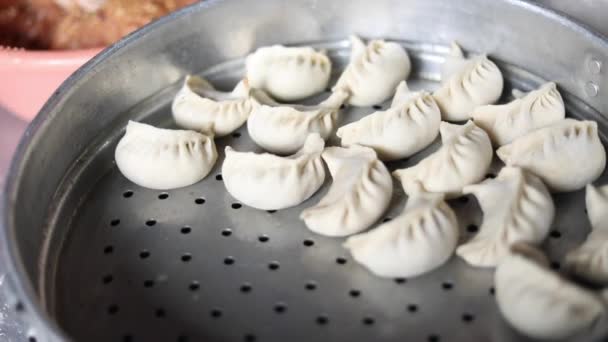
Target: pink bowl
28	78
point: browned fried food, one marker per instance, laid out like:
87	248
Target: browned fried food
27	23
44	24
115	19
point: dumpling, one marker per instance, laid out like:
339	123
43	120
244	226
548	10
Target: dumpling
420	239
411	124
374	71
198	106
158	158
466	84
269	182
516	207
360	193
536	109
288	73
590	260
463	159
282	129
538	302
566	155
596	201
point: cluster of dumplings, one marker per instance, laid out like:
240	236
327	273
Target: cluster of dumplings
543	152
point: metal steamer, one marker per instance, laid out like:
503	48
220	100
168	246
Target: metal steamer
93	257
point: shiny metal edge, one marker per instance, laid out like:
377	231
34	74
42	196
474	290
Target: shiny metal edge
19	287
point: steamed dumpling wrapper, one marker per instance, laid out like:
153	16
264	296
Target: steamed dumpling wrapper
419	240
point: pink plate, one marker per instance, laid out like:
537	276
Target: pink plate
28	78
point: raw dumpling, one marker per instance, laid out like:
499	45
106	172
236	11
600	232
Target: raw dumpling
288	73
466	84
538	302
268	182
411	124
590	260
463	159
516	207
596	201
566	155
360	193
198	106
164	159
420	239
507	122
374	71
282	129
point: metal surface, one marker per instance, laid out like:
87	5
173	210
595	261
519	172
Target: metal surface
12	327
115	268
590	12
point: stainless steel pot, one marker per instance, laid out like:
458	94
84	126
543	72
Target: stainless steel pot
96	258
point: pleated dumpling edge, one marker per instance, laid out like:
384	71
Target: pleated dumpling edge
282	129
408	126
199	106
464	158
589	261
274	69
159	158
536	109
517	207
420	239
466	84
269	182
557	154
539	302
359	194
374	71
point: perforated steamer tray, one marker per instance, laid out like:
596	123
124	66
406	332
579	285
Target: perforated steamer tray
194	264
122	263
